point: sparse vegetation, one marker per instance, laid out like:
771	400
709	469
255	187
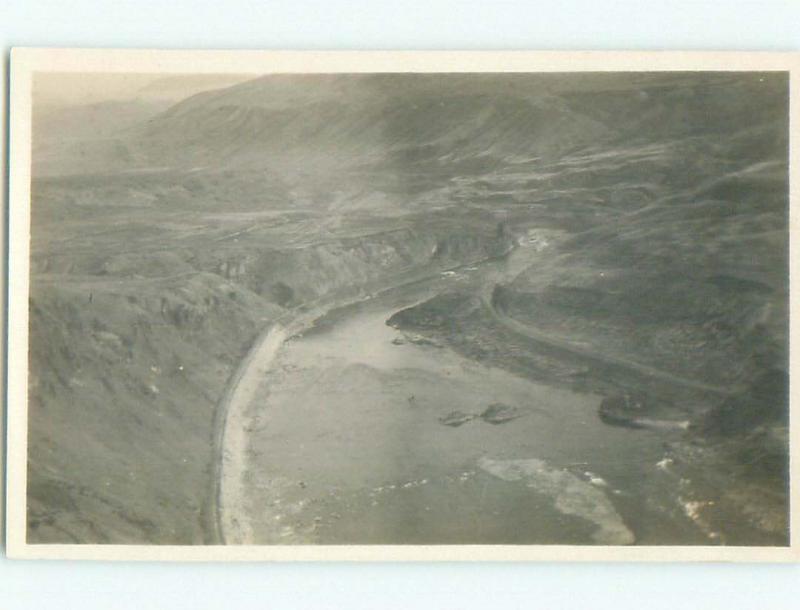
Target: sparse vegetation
636	218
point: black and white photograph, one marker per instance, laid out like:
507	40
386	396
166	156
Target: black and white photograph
420	302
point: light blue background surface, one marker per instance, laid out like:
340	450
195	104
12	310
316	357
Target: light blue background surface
431	24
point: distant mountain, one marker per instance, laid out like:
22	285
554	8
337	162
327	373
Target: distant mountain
87	138
82	123
434	121
174	88
397	119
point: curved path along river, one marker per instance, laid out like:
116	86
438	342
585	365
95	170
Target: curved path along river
242	390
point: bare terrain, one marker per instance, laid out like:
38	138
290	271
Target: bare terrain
469	308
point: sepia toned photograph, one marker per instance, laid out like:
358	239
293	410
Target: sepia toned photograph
455	300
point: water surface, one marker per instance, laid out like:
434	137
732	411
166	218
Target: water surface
346	446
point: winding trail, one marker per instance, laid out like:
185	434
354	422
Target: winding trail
240	393
565	347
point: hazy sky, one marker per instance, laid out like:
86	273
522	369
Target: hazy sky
78	88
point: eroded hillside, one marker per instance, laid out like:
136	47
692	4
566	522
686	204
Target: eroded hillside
652	211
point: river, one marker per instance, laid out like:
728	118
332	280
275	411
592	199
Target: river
343	443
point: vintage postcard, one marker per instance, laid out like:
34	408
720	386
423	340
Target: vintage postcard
401	305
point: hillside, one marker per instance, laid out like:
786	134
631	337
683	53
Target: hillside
645	216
